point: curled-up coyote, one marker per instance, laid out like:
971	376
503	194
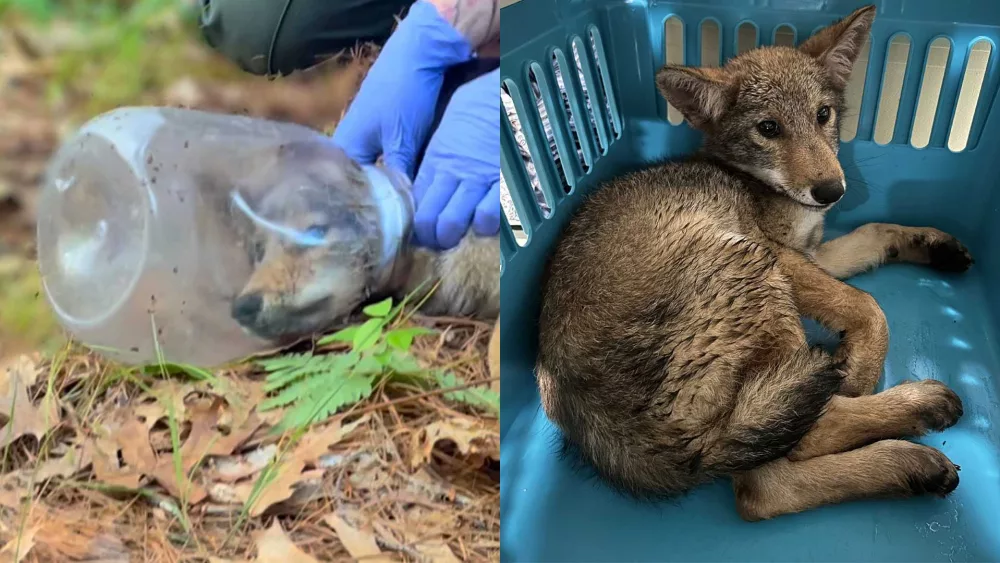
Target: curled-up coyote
671	345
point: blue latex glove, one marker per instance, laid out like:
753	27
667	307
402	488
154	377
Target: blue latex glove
459	179
395	105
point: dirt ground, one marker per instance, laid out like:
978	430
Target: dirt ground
103	463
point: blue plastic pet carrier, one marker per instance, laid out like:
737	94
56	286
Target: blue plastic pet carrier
921	147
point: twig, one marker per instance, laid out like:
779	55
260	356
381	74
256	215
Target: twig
453	321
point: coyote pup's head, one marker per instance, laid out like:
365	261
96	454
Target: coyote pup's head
775	112
315	242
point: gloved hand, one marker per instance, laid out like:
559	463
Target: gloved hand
395	105
459	179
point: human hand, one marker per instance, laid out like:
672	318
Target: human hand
459	179
395	105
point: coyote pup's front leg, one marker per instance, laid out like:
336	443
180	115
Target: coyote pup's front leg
874	244
846	310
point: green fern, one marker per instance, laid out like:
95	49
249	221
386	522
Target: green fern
316	387
479	396
326	397
293	368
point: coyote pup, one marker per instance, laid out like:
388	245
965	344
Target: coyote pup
671	350
297	290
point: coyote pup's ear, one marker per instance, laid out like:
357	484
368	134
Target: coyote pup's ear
701	94
838	45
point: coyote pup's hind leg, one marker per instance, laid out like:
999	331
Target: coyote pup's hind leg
467	278
907	410
890	468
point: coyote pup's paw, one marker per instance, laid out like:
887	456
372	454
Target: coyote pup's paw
935	405
931	472
946	253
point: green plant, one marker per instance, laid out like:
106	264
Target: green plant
317	386
25	316
103	54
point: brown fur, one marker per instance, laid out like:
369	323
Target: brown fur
299	288
671	349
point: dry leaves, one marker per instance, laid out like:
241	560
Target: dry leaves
130	435
17	548
473	437
288	472
377	464
436	550
273	546
66	460
22	416
361	545
65	534
205	439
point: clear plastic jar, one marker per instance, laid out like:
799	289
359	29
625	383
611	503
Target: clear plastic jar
211	236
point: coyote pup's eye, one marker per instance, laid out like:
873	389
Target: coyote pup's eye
769	129
823	115
316	233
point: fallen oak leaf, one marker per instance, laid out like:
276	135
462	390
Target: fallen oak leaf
16	409
423	528
74	459
436	551
127	432
132	436
205	439
17	548
472	437
359	544
243	397
309	488
103	453
273	546
10	499
283	477
65	534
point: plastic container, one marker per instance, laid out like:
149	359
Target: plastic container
941	326
211	236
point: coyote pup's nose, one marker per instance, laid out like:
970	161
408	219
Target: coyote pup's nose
826	192
247	307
